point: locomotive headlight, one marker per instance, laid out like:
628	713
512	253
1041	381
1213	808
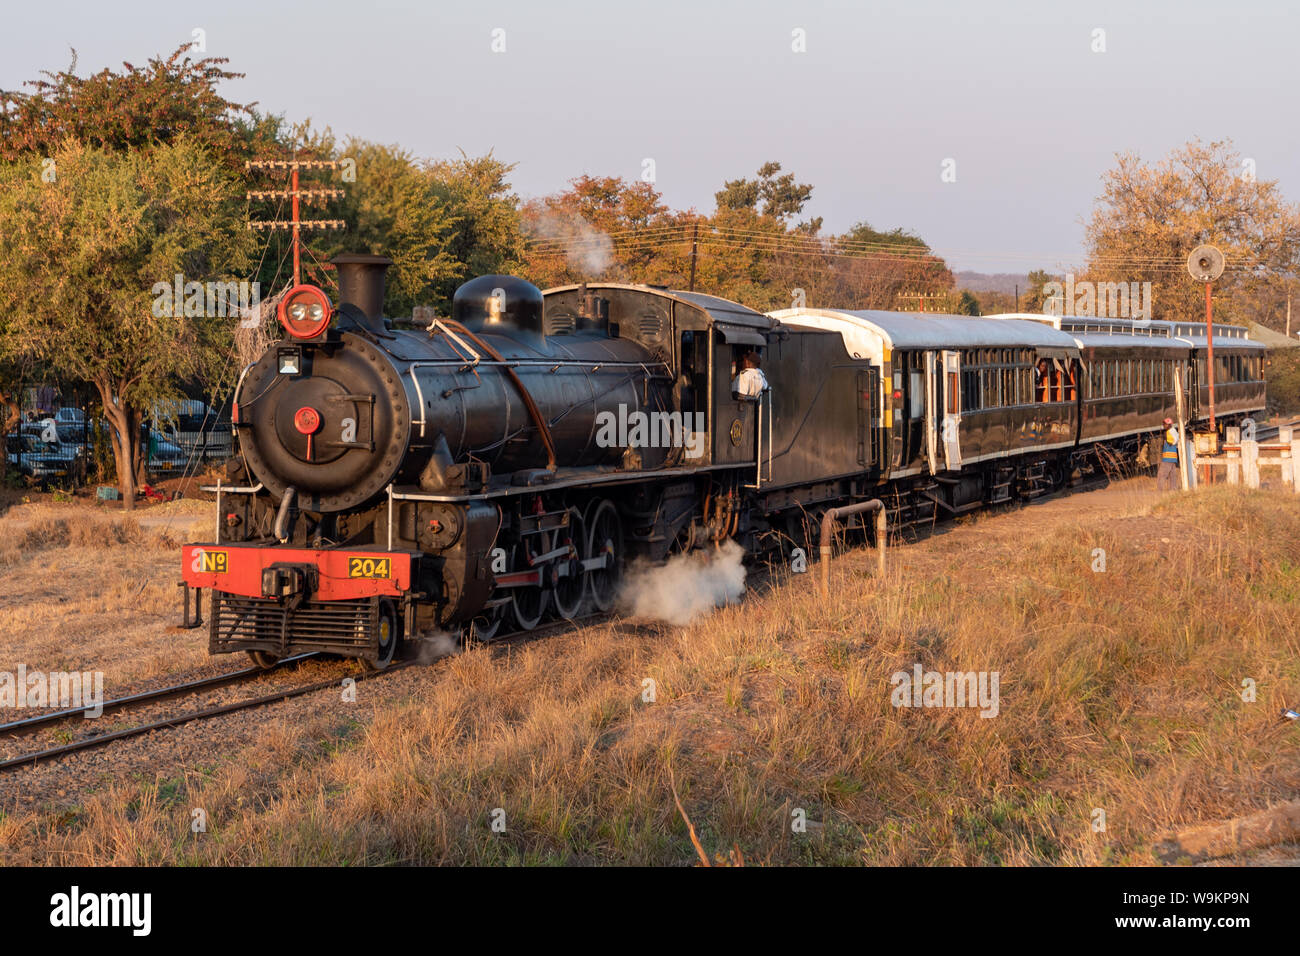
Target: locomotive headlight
290	361
305	312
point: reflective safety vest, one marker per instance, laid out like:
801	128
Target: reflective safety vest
1170	451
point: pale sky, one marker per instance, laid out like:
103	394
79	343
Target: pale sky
709	90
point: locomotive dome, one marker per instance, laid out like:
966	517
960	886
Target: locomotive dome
498	303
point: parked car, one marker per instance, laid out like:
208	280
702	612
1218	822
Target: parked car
44	461
165	457
196	427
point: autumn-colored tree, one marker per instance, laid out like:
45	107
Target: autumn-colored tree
573	234
1150	216
161	102
753	248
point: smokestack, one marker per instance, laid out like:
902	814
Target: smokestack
361	281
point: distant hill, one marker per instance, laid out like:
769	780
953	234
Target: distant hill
1004	282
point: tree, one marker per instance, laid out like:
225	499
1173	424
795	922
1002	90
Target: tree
169	100
1035	296
969	304
394	208
486	236
1149	217
161	102
779	195
87	255
15	363
873	268
574	233
748	249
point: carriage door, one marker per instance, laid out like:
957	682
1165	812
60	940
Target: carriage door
931	416
949	433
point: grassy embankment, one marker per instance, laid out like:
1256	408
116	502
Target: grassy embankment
1120	691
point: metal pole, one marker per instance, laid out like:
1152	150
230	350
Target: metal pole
297	268
828	531
695	246
1209	340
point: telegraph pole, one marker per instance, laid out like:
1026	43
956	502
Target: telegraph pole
921	297
294	193
695	248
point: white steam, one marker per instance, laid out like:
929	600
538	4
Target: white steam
687	586
435	645
586	248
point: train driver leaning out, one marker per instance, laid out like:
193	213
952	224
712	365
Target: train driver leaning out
1167	474
749	385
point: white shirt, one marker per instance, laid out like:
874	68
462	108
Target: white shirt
749	384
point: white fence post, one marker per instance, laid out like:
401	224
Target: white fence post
1250	463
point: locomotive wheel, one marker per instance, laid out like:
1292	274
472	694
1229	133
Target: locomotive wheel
528	605
605	537
263	659
390	635
571	591
484	626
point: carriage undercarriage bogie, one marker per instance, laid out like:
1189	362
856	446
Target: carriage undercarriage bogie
500	469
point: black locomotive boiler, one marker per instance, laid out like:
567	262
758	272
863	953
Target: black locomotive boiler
495	467
503	465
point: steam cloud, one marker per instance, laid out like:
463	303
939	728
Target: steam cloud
686	587
586	248
435	645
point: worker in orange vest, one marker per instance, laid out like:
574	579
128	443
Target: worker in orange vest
1167	474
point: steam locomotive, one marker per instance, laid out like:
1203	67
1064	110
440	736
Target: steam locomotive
504	465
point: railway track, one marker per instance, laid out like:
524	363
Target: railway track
179	690
147	698
1269	432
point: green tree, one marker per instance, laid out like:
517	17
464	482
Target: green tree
86	255
772	194
969	304
486	236
1035	296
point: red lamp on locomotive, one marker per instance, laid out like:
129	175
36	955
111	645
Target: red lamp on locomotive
305	312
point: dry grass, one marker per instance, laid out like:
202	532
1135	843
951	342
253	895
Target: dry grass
88	589
1120	691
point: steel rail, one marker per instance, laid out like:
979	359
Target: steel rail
264	700
149	696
